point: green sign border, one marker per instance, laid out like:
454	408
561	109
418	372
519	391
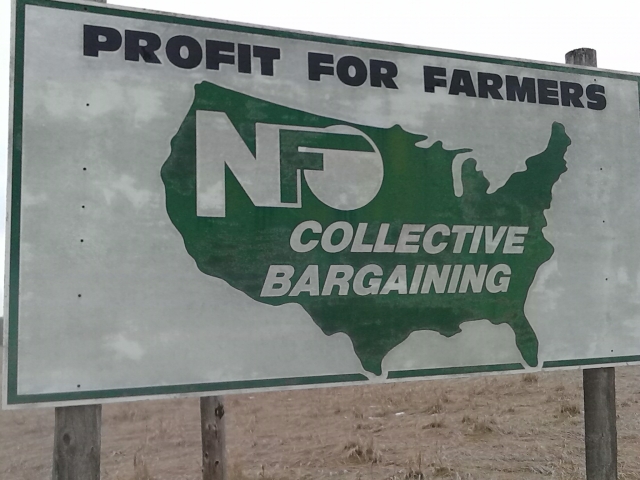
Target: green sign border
13	398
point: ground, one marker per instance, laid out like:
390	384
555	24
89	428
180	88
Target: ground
503	427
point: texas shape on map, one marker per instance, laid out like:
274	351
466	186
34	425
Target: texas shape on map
469	257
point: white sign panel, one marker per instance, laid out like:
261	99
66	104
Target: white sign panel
198	206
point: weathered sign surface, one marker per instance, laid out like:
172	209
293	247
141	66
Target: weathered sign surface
199	206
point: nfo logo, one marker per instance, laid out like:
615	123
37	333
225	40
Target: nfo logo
342	166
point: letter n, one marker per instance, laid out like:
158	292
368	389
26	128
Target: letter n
219	146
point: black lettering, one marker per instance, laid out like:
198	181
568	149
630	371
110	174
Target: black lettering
548	92
570	94
521	91
489	85
267	56
430	80
100	39
141	44
174	51
595	94
344	71
383	73
244	58
215	55
319	64
461	82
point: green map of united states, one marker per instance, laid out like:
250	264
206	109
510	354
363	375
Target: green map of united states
444	259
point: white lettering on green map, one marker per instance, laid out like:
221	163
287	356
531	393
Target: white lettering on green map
402	280
339	236
372	280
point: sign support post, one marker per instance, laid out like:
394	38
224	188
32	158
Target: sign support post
214	458
599	384
76	443
600	436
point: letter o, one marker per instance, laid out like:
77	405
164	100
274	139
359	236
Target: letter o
360	71
174	48
347	236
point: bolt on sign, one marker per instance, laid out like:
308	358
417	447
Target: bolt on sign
199	206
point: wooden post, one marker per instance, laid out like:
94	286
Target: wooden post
76	443
214	458
600	436
582	56
599	384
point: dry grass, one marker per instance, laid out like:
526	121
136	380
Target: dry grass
140	470
130	413
436	404
362	452
479	425
415	472
236	472
570	409
437	422
489	428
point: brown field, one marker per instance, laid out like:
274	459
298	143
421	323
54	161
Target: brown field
499	427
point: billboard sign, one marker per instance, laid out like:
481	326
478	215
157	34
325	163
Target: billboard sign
199	206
